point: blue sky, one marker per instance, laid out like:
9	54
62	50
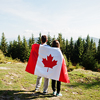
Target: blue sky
72	18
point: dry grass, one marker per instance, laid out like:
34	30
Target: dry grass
16	84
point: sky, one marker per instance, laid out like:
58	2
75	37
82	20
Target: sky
71	18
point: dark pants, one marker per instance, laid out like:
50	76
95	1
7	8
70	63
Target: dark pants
58	85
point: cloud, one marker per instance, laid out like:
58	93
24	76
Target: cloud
72	19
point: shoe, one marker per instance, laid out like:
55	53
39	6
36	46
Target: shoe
54	93
45	92
36	90
58	94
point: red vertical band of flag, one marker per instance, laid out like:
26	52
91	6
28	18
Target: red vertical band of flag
63	74
32	59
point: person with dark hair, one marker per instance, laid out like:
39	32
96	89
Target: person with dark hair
39	78
43	39
56	44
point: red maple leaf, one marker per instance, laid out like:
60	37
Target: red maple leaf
49	63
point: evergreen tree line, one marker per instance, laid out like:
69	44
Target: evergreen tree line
83	51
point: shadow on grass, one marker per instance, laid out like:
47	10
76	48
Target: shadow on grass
22	95
85	85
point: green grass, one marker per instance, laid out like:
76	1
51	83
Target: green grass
16	84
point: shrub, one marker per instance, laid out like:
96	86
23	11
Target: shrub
5	59
65	59
70	63
77	66
2	57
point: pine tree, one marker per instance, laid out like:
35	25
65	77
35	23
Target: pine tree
75	53
78	50
62	42
89	61
49	40
3	44
67	49
84	45
52	39
98	52
71	47
63	46
30	43
93	47
14	50
19	47
33	40
99	45
87	44
39	39
10	47
25	50
59	37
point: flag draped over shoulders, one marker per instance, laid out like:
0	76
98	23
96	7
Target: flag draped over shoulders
47	62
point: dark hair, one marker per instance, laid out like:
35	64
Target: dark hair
55	43
44	38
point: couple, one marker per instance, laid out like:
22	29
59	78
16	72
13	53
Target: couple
56	44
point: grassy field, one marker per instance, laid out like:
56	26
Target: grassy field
16	84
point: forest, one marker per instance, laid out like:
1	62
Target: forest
82	52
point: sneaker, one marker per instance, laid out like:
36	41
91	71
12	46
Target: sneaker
58	94
54	93
45	92
36	90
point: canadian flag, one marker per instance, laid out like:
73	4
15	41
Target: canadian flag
47	62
